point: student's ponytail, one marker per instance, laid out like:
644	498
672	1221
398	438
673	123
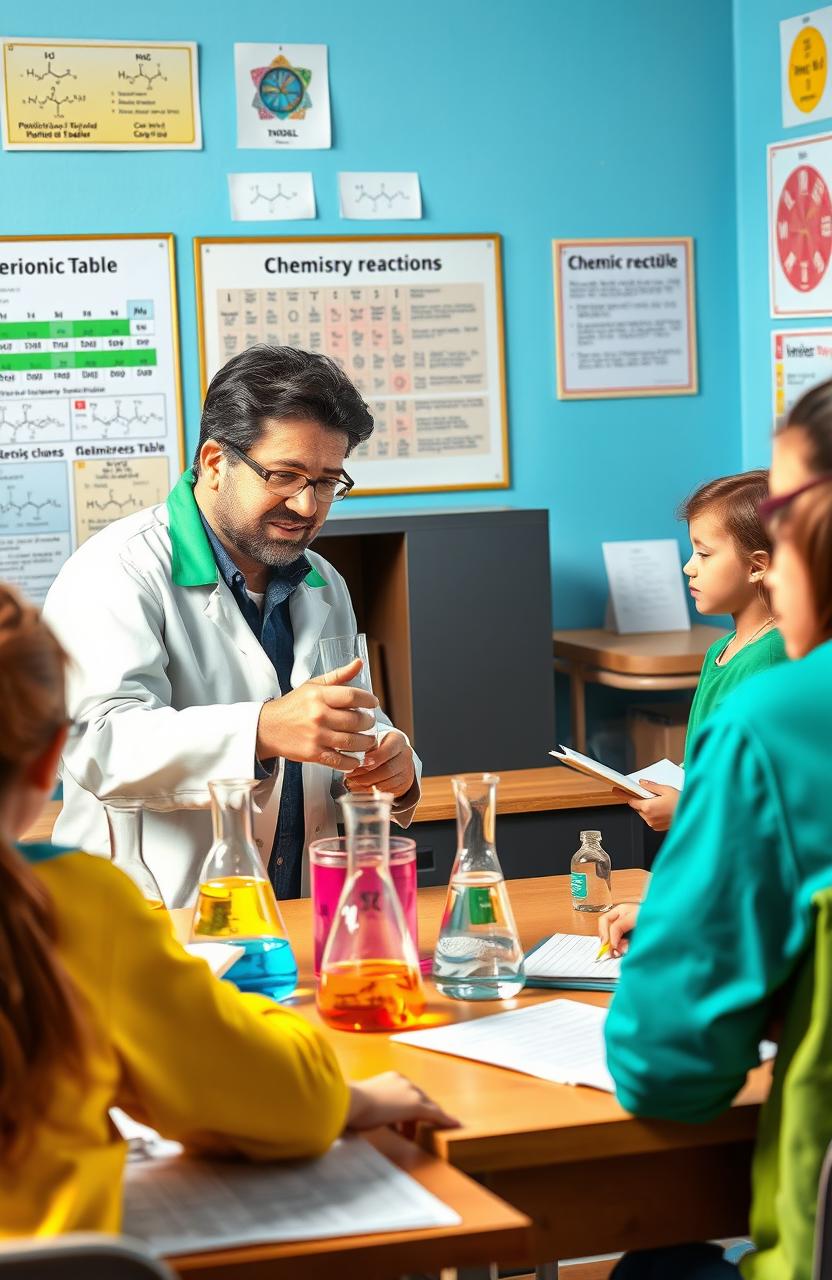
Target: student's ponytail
40	1016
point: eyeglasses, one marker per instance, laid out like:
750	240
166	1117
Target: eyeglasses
771	508
288	484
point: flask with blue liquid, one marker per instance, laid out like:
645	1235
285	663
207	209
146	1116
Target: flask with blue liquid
236	902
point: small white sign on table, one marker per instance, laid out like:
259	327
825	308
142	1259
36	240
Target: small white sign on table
646	586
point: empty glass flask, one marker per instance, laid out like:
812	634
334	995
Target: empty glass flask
125	823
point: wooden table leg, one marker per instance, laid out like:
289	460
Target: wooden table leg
577	708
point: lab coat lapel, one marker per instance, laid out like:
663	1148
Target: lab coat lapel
309	611
222	609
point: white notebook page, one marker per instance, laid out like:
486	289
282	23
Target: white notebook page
570	955
186	1206
560	1040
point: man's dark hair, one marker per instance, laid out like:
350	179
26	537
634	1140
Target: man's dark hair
282	383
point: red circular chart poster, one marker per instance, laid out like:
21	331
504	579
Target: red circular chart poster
800	227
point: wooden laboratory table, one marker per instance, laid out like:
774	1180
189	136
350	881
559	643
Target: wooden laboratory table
489	1232
646	663
551	1150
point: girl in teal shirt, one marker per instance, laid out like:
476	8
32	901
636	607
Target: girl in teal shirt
728	921
730	554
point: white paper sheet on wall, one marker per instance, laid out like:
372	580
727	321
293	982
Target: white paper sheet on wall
271	197
282	96
646	586
379	196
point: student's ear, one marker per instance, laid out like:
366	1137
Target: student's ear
43	770
211	460
760	565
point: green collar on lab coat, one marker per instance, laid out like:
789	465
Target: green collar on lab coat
193	563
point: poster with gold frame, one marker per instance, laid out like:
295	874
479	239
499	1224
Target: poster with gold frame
90	392
416	322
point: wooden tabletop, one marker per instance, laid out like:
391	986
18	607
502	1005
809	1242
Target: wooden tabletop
666	653
508	1120
521	791
490	1231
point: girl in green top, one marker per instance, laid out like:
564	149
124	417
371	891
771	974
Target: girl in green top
726	572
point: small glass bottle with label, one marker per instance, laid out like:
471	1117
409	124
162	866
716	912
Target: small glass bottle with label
591	872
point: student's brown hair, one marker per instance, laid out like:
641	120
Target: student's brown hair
733	501
41	1022
812	414
807	524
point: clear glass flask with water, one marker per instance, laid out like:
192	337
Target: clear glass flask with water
478	955
236	902
369	978
591	871
125	823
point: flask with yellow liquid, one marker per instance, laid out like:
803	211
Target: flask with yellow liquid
369	977
236	902
125	823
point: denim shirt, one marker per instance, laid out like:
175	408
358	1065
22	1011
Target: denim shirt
273	629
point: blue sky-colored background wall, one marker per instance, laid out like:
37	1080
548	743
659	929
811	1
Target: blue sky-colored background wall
533	120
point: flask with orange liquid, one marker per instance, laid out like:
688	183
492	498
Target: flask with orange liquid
369	970
125	822
236	902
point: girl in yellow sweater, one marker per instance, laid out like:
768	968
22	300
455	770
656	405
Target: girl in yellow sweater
100	1006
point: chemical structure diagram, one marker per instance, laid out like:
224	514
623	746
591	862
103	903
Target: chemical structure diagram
123	424
55	101
142	74
381	194
280	194
130	503
45	426
13	505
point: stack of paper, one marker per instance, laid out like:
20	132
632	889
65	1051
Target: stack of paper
568	961
561	1041
219	956
189	1206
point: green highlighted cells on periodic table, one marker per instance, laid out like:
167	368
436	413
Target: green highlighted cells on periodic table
90	419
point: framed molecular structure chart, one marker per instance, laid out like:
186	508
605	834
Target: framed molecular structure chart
416	322
800	226
90	392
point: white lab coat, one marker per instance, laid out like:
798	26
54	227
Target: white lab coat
167	684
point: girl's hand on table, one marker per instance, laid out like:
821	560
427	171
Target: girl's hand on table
614	926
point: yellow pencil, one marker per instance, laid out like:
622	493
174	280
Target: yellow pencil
605	946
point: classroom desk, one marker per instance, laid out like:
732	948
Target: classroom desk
646	663
490	1232
552	1151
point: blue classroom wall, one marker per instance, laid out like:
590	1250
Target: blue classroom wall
533	120
759	122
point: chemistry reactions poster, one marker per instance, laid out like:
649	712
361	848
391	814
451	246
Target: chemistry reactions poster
90	412
800	226
282	96
99	95
805	42
625	318
800	359
416	322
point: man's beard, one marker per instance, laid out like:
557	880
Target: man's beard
256	542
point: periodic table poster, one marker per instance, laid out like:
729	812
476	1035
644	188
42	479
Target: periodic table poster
90	403
416	322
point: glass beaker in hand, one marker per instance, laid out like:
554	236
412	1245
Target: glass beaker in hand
478	954
340	651
236	902
125	822
370	969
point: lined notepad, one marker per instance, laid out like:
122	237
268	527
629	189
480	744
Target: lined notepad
187	1206
561	1041
568	960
